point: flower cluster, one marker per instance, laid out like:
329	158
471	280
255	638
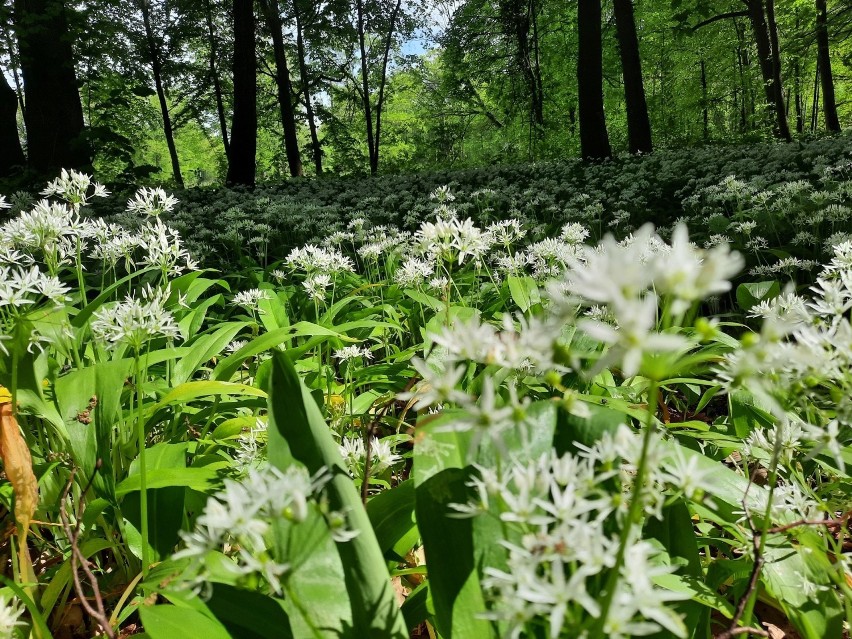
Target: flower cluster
238	522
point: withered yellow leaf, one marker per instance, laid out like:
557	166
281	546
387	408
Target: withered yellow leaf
19	467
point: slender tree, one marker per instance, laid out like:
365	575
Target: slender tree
594	139
11	154
213	50
243	149
155	59
829	103
305	78
638	123
54	114
272	14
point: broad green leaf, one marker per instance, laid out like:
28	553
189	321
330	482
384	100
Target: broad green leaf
298	430
391	514
450	556
170	622
753	293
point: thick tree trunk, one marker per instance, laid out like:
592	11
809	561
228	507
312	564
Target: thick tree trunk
272	12
638	124
769	64
11	154
316	147
214	76
594	139
777	85
54	114
241	160
155	59
829	104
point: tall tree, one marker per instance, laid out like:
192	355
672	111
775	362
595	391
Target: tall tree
272	14
829	103
594	139
769	59
155	59
243	151
11	153
305	77
520	24
213	57
638	123
54	113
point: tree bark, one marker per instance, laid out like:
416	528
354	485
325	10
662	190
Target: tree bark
638	123
156	62
242	158
518	19
374	164
829	103
771	76
272	12
214	75
54	114
316	147
777	85
365	87
11	154
705	106
594	139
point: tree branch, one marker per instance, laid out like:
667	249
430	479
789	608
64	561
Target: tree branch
721	16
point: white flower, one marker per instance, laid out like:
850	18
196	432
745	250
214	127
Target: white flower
73	187
3	203
151	201
316	285
250	299
135	321
11	610
352	352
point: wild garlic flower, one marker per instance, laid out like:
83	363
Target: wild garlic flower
556	514
238	521
354	454
311	259
413	271
136	321
164	249
151	201
11	610
73	187
250	299
251	448
348	353
3	203
574	233
316	285
442	194
506	232
452	240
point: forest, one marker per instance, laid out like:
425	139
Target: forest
445	319
161	90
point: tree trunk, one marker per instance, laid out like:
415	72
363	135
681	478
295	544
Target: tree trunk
365	87
54	114
316	148
638	124
829	104
374	165
777	85
272	12
705	106
157	67
594	139
800	112
241	160
214	75
769	64
518	19
11	154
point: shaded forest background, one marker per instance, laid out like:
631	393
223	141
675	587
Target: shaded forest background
198	92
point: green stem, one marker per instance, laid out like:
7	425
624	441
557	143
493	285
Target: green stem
143	470
633	514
